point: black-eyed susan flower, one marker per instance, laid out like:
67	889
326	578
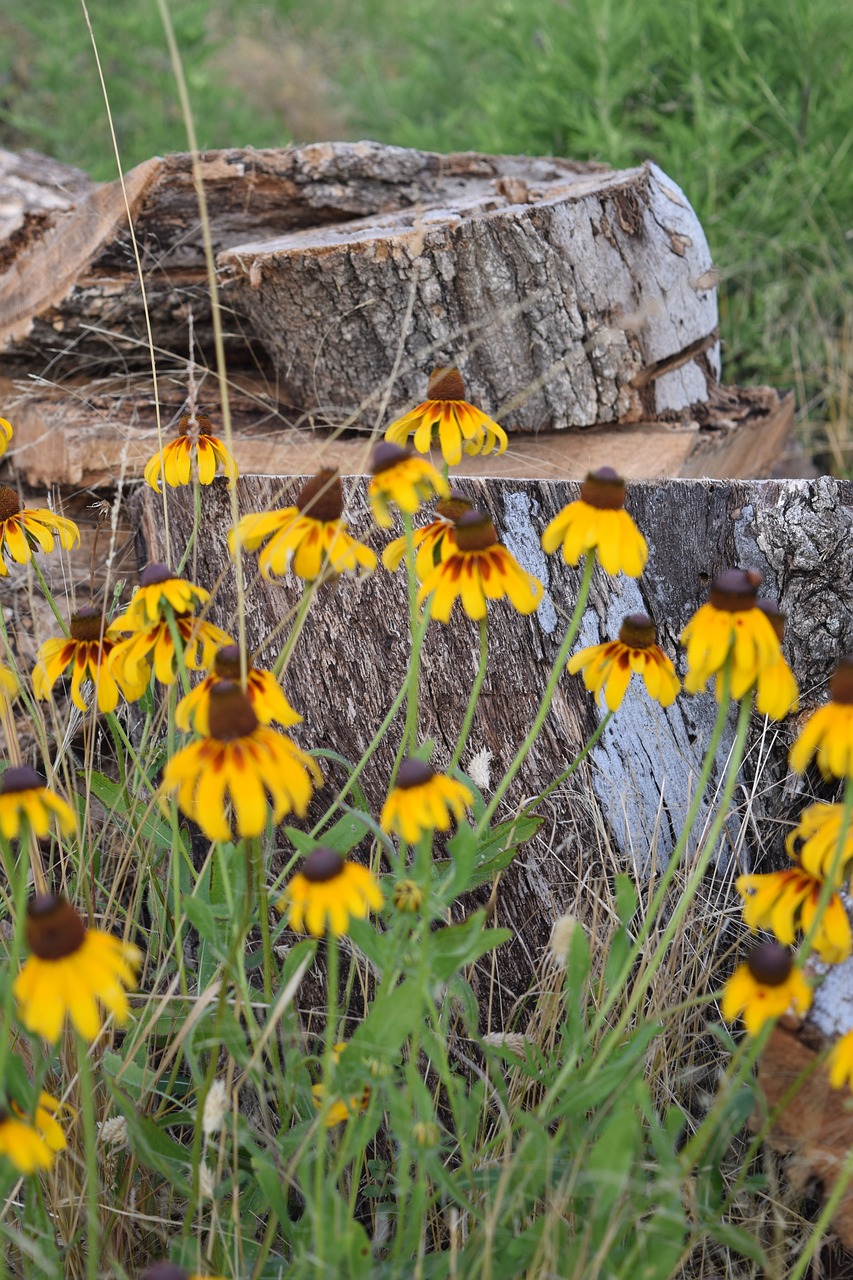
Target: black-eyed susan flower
476	570
162	599
159	587
5	434
86	652
776	692
196	449
340	1109
786	902
132	660
814	843
401	479
328	892
828	732
71	972
310	537
407	896
433	541
840	1062
262	689
766	986
608	667
22	1144
422	800
24	530
240	772
24	797
447	417
599	522
730	627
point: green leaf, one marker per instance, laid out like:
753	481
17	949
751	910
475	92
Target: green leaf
134	817
453	948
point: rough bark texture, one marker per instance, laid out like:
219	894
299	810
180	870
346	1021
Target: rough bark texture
570	295
586	299
353	656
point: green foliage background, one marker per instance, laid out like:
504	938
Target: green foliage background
748	105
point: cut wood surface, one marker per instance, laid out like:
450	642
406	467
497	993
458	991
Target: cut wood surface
353	655
580	304
95	433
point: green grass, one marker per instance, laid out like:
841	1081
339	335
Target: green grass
748	106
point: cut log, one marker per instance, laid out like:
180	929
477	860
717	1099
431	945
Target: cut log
353	653
569	295
571	303
94	433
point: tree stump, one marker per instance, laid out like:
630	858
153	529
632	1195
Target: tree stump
631	796
579	302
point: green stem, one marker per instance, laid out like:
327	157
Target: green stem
416	634
475	695
686	898
19	907
90	1139
578	760
330	1034
827	1213
545	704
298	623
63	625
677	853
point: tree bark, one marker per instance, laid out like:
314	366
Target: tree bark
633	793
570	295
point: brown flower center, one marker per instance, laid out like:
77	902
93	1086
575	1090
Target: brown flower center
475	531
321	865
54	929
19	778
770	964
10	502
322	497
414	773
637	631
153	574
226	664
604	489
453	507
386	456
198	424
735	590
445	383
87	624
230	714
841	682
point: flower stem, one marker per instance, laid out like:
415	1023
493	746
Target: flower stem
473	700
93	1223
417	635
678	852
295	631
578	760
685	899
63	625
545	704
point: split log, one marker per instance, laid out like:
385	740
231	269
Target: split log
96	433
632	798
571	295
577	300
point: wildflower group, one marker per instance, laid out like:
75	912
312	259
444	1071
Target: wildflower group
229	775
